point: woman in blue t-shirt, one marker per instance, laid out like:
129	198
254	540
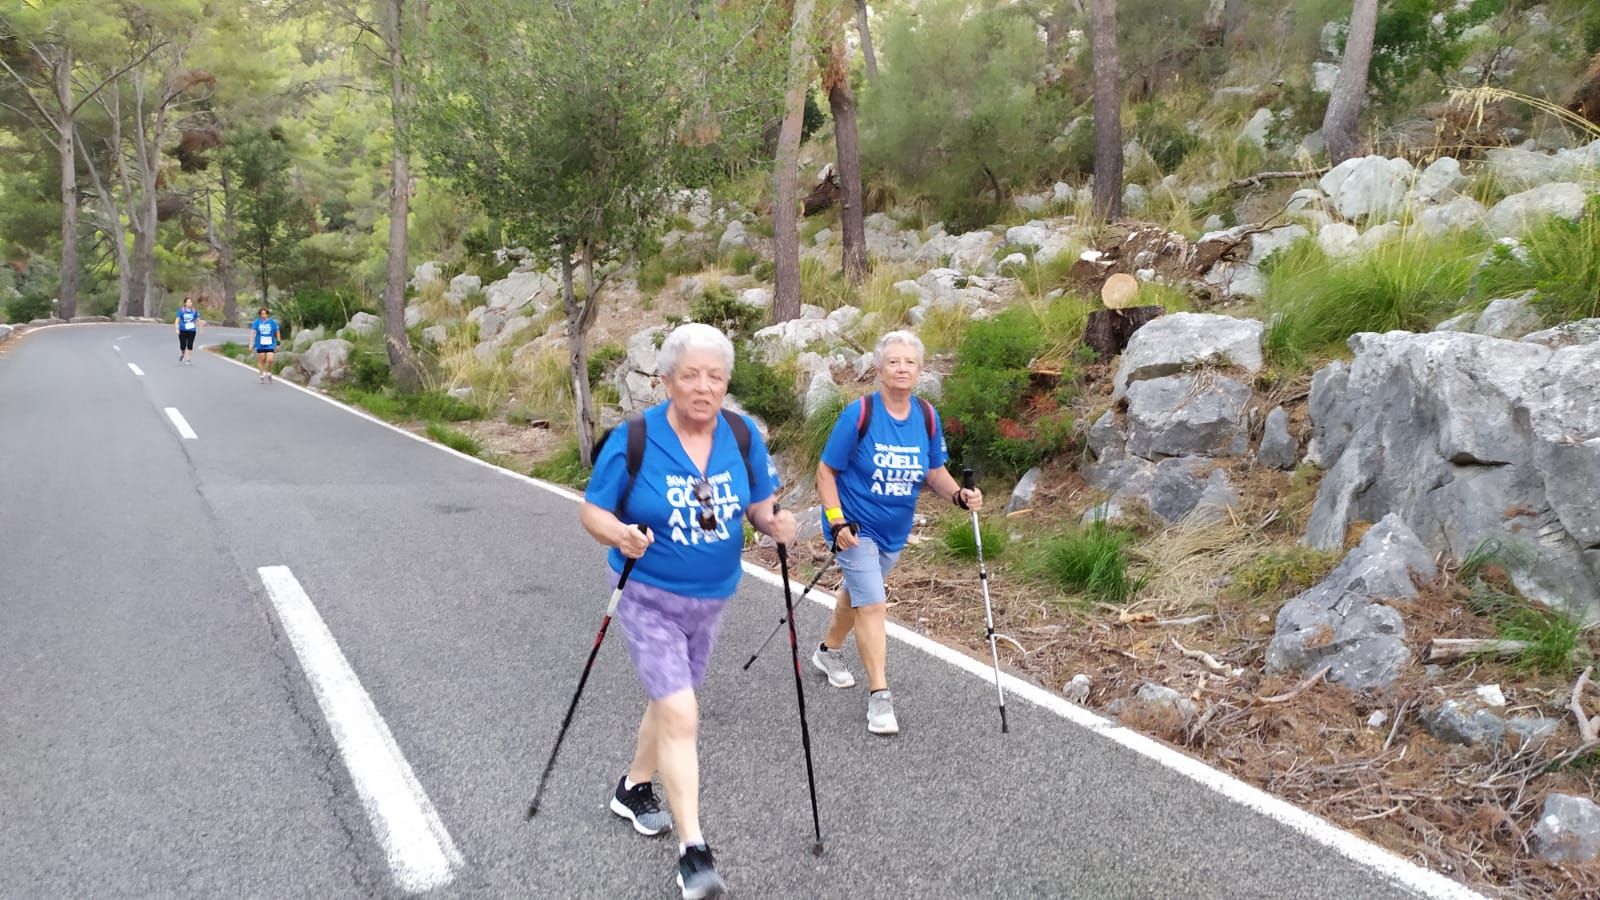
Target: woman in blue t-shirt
264	339
693	488
870	479
187	323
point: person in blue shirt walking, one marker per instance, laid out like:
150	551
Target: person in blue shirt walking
882	451
693	488
187	324
264	340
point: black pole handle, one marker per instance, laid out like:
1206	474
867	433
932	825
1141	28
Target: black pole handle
967	481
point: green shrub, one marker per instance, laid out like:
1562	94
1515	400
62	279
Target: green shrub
564	467
454	439
803	437
370	369
741	260
763	390
1562	266
429	406
312	308
27	307
959	542
994	419
1092	561
1317	303
1164	135
234	350
602	359
719	308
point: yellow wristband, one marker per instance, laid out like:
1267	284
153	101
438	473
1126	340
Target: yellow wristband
835	515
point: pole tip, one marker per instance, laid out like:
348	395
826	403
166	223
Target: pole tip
816	849
533	809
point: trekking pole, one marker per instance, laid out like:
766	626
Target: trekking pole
988	611
611	609
778	627
799	692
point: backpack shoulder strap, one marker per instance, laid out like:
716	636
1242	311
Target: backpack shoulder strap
741	435
927	418
864	417
634	459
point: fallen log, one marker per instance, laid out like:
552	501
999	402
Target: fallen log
1446	649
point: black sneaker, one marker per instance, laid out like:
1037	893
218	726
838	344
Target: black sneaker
697	874
640	807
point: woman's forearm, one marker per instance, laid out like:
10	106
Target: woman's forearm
601	524
827	486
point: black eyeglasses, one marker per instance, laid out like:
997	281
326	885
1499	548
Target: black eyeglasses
708	513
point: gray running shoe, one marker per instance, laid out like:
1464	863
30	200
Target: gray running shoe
640	807
697	874
831	664
880	713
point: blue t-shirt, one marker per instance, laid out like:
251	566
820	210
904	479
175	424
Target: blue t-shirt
188	319
880	475
265	332
685	558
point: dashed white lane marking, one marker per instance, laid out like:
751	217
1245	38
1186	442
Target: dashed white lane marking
1397	870
419	850
180	423
117	347
135	369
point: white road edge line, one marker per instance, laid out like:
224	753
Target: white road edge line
135	369
1397	869
420	852
180	423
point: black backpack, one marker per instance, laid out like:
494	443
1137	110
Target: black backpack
635	452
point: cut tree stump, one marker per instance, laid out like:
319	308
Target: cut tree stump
1108	330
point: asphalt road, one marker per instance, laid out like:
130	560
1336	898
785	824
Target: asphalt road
159	735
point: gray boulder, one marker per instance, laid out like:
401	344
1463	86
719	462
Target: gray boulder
1460	214
1157	698
1339	239
821	394
638	386
1171	344
1568	830
305	338
1106	436
364	324
461	286
1027	487
1341	622
734	237
1440	180
1278	448
1455	722
326	362
1468	439
1508	317
1255	131
1514	215
1567	334
974	251
435	335
1188	415
426	273
5	331
756	298
490	323
524	290
1368	187
413	316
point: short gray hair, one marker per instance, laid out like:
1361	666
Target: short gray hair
692	336
897	337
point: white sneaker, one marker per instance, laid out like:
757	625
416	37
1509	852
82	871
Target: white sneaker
831	664
880	713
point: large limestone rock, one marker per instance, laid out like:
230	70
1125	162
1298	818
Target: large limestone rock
306	337
426	273
1514	215
364	324
1527	168
974	251
1342	622
1440	181
524	290
1468	439
326	362
1170	344
1568	830
461	286
1460	214
1188	415
1368	187
638	384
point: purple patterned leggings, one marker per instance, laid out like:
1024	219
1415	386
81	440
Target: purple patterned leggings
669	636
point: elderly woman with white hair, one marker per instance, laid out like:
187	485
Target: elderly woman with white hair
693	473
882	451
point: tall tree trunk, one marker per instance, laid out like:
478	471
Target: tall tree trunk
785	192
1339	124
402	363
227	267
138	202
842	102
110	209
867	55
578	351
1107	114
66	145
